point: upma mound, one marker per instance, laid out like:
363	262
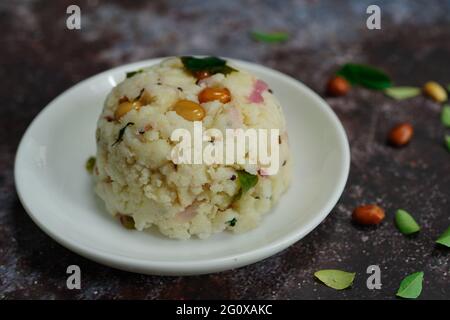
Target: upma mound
135	173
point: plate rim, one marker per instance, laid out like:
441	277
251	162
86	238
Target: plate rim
213	265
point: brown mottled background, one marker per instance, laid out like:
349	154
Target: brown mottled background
40	58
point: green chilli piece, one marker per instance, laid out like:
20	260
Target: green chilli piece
270	37
444	239
405	222
366	76
445	116
411	286
335	279
402	93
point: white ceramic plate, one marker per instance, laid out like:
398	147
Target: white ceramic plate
57	192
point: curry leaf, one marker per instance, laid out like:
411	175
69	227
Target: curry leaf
246	180
366	76
212	65
445	116
405	222
232	222
411	286
444	238
133	73
401	93
271	37
121	133
335	279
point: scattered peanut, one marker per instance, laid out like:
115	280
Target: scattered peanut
189	110
401	134
368	214
210	94
338	86
435	91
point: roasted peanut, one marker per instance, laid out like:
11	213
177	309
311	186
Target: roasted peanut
338	86
435	91
189	110
401	134
368	214
126	221
126	107
210	94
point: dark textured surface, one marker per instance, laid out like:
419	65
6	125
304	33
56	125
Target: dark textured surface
40	58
